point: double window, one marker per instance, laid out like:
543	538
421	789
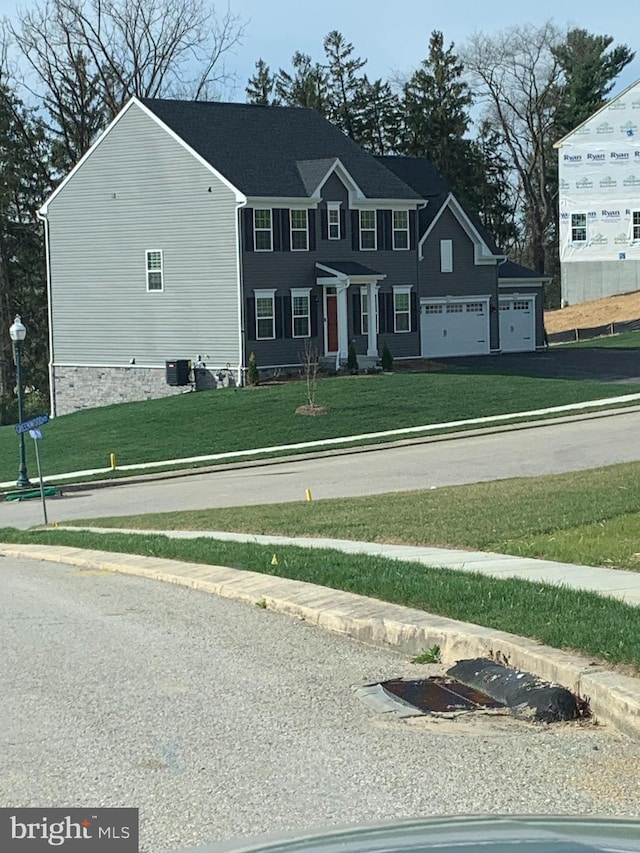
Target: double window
155	277
263	230
402	309
578	227
636	225
368	230
400	229
301	312
265	314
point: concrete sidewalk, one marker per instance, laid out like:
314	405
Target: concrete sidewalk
615	583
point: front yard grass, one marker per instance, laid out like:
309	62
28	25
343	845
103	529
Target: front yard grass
625	340
241	419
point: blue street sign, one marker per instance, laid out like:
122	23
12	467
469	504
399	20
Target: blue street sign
25	426
35	433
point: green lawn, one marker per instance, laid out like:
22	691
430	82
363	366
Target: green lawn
239	419
582	621
590	517
625	340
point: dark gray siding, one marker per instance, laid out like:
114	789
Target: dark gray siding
538	291
141	190
283	269
467	278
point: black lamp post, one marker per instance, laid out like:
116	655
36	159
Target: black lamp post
18	333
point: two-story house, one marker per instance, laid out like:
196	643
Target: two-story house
209	231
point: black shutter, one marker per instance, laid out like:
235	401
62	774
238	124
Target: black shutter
413	229
248	229
382	313
383	222
324	224
414	312
276	225
355	231
314	314
357	330
250	319
279	318
312	230
286	316
343	224
285	242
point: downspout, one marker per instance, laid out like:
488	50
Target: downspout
241	300
42	216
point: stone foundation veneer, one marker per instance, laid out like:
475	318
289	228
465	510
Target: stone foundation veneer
89	387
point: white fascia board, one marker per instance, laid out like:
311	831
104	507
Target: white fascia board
341	276
447	300
368	279
481	252
617	97
389	203
524	282
281	201
240	197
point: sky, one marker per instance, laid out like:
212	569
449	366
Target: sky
394	37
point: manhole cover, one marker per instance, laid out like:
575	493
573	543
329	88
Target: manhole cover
440	695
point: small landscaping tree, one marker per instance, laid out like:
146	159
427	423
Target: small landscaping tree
310	366
352	358
253	375
386	359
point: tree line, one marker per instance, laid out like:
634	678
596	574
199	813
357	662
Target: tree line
486	116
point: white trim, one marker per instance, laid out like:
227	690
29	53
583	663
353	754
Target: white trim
239	196
445	300
304	230
524	282
401	290
364	291
338	277
334	207
301	292
262	230
265	293
481	252
150	271
373	248
395	230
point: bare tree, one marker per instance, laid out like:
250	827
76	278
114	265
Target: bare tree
519	78
86	58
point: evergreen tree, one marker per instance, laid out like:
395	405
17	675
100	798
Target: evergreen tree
344	84
260	87
305	87
378	118
436	103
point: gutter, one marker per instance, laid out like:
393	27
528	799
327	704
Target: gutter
241	296
42	216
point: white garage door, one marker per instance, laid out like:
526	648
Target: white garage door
454	328
517	324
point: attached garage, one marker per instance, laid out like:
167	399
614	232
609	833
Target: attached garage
517	323
450	327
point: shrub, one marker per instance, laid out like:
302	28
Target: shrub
253	374
386	359
352	358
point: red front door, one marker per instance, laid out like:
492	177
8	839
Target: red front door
332	322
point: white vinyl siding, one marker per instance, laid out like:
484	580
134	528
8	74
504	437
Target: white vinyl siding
578	227
155	278
368	230
402	309
301	312
446	255
299	230
263	230
400	229
333	221
265	314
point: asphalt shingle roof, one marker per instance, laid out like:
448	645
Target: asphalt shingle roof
509	269
348	268
259	149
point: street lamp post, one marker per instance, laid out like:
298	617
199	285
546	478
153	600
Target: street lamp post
18	333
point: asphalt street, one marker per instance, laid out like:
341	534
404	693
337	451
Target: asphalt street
219	719
523	452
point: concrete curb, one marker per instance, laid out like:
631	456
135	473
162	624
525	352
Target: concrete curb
614	698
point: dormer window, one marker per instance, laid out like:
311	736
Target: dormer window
262	230
368	230
299	231
333	220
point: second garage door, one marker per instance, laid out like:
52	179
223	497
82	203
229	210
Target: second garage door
459	327
517	324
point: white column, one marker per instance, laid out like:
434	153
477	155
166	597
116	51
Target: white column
372	309
343	337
